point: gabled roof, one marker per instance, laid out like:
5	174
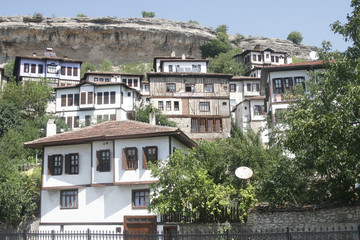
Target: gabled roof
111	130
295	66
94	84
190	74
113	73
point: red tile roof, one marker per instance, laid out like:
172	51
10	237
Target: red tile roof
299	65
111	130
244	78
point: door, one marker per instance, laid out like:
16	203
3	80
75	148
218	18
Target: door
139	225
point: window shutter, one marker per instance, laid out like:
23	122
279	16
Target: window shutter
136	159
67	163
50	165
274	86
144	158
124	162
98	156
156	153
83	98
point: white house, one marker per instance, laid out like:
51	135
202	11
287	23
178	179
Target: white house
254	60
97	178
94	101
59	71
180	64
242	87
281	79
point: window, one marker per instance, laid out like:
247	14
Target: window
161	105
147	88
112	97
204	106
95	79
40	68
205	125
130	83
101	79
69	121
33	68
257	87
106	97
69	199
259	58
288	84
69	71
26	67
272	59
278	86
99	118
168	105
130	159
254	57
122	97
176	106
277	59
63	100
170	68
124	80
75	71
259	110
129	94
63	70
170	87
112	117
76	121
248	87
196	68
150	154
140	198
87	120
135	83
103	160
55	163
224	103
72	163
300	80
107	79
90	97
208	88
76	99
83	97
189	88
99	98
232	87
267	56
70	100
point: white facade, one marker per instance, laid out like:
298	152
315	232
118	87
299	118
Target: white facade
91	198
180	64
59	71
90	102
281	80
243	87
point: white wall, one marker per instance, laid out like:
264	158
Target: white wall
186	66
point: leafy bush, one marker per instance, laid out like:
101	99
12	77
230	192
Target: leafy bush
295	37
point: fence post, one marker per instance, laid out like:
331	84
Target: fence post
170	235
359	232
24	234
52	234
227	234
88	234
124	234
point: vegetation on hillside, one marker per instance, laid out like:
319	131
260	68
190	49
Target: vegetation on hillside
147	14
295	37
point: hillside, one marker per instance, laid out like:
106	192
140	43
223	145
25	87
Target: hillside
119	40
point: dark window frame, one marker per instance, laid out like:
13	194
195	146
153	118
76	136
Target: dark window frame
208	87
171	87
130	158
72	163
69	199
140	198
103	160
204	106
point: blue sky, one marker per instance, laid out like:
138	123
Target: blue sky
269	18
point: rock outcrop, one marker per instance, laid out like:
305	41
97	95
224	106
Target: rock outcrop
119	40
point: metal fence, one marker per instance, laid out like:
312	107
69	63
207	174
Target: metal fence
105	235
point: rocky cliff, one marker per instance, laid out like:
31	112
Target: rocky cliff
116	39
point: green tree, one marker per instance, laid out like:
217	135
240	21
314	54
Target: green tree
85	67
186	187
226	63
323	125
10	117
295	37
218	45
135	67
81	15
147	14
31	98
194	22
142	115
106	66
9	69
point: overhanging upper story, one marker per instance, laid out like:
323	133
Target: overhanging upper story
109	153
59	71
179	64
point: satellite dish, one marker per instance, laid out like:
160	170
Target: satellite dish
314	55
243	172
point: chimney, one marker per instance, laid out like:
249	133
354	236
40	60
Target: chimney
257	47
173	54
51	128
34	54
183	56
49	49
152	117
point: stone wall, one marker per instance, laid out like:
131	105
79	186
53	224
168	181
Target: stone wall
326	219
